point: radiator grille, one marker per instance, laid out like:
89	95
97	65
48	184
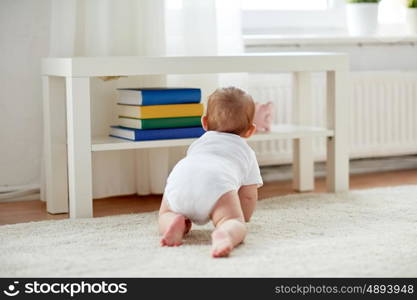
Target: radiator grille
383	113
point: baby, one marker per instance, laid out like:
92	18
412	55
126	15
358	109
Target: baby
219	177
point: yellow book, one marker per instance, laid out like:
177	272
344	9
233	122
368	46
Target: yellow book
161	111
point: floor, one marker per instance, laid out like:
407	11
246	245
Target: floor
27	211
364	233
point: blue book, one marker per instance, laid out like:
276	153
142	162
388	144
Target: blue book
156	134
158	96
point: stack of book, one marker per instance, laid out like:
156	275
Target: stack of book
158	114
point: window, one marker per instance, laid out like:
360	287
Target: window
312	17
285	5
293	17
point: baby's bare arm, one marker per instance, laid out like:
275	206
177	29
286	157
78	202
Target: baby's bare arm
248	195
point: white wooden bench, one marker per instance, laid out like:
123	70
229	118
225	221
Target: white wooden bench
68	175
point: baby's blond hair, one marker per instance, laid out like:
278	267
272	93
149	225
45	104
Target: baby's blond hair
230	110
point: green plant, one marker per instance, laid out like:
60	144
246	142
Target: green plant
412	4
362	1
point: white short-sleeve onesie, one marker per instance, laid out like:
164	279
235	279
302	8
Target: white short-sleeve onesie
215	164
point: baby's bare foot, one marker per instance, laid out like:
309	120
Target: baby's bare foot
221	243
175	232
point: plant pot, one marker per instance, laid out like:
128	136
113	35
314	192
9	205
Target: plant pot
362	18
412	20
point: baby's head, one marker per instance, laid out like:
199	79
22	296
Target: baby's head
230	110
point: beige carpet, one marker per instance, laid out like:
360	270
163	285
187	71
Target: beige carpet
361	233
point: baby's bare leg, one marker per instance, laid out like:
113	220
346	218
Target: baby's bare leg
172	226
230	229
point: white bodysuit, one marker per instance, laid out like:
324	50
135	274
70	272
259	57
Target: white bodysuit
215	164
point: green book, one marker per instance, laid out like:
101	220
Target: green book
159	123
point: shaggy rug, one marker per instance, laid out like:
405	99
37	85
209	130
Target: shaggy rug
359	233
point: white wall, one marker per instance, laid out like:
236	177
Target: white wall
24	27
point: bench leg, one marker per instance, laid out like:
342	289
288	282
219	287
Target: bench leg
303	161
337	118
55	185
79	147
142	172
159	161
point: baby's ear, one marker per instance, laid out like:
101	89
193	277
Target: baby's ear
250	131
204	122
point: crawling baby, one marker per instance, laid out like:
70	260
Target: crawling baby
219	177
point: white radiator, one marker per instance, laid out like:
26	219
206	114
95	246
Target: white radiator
383	113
